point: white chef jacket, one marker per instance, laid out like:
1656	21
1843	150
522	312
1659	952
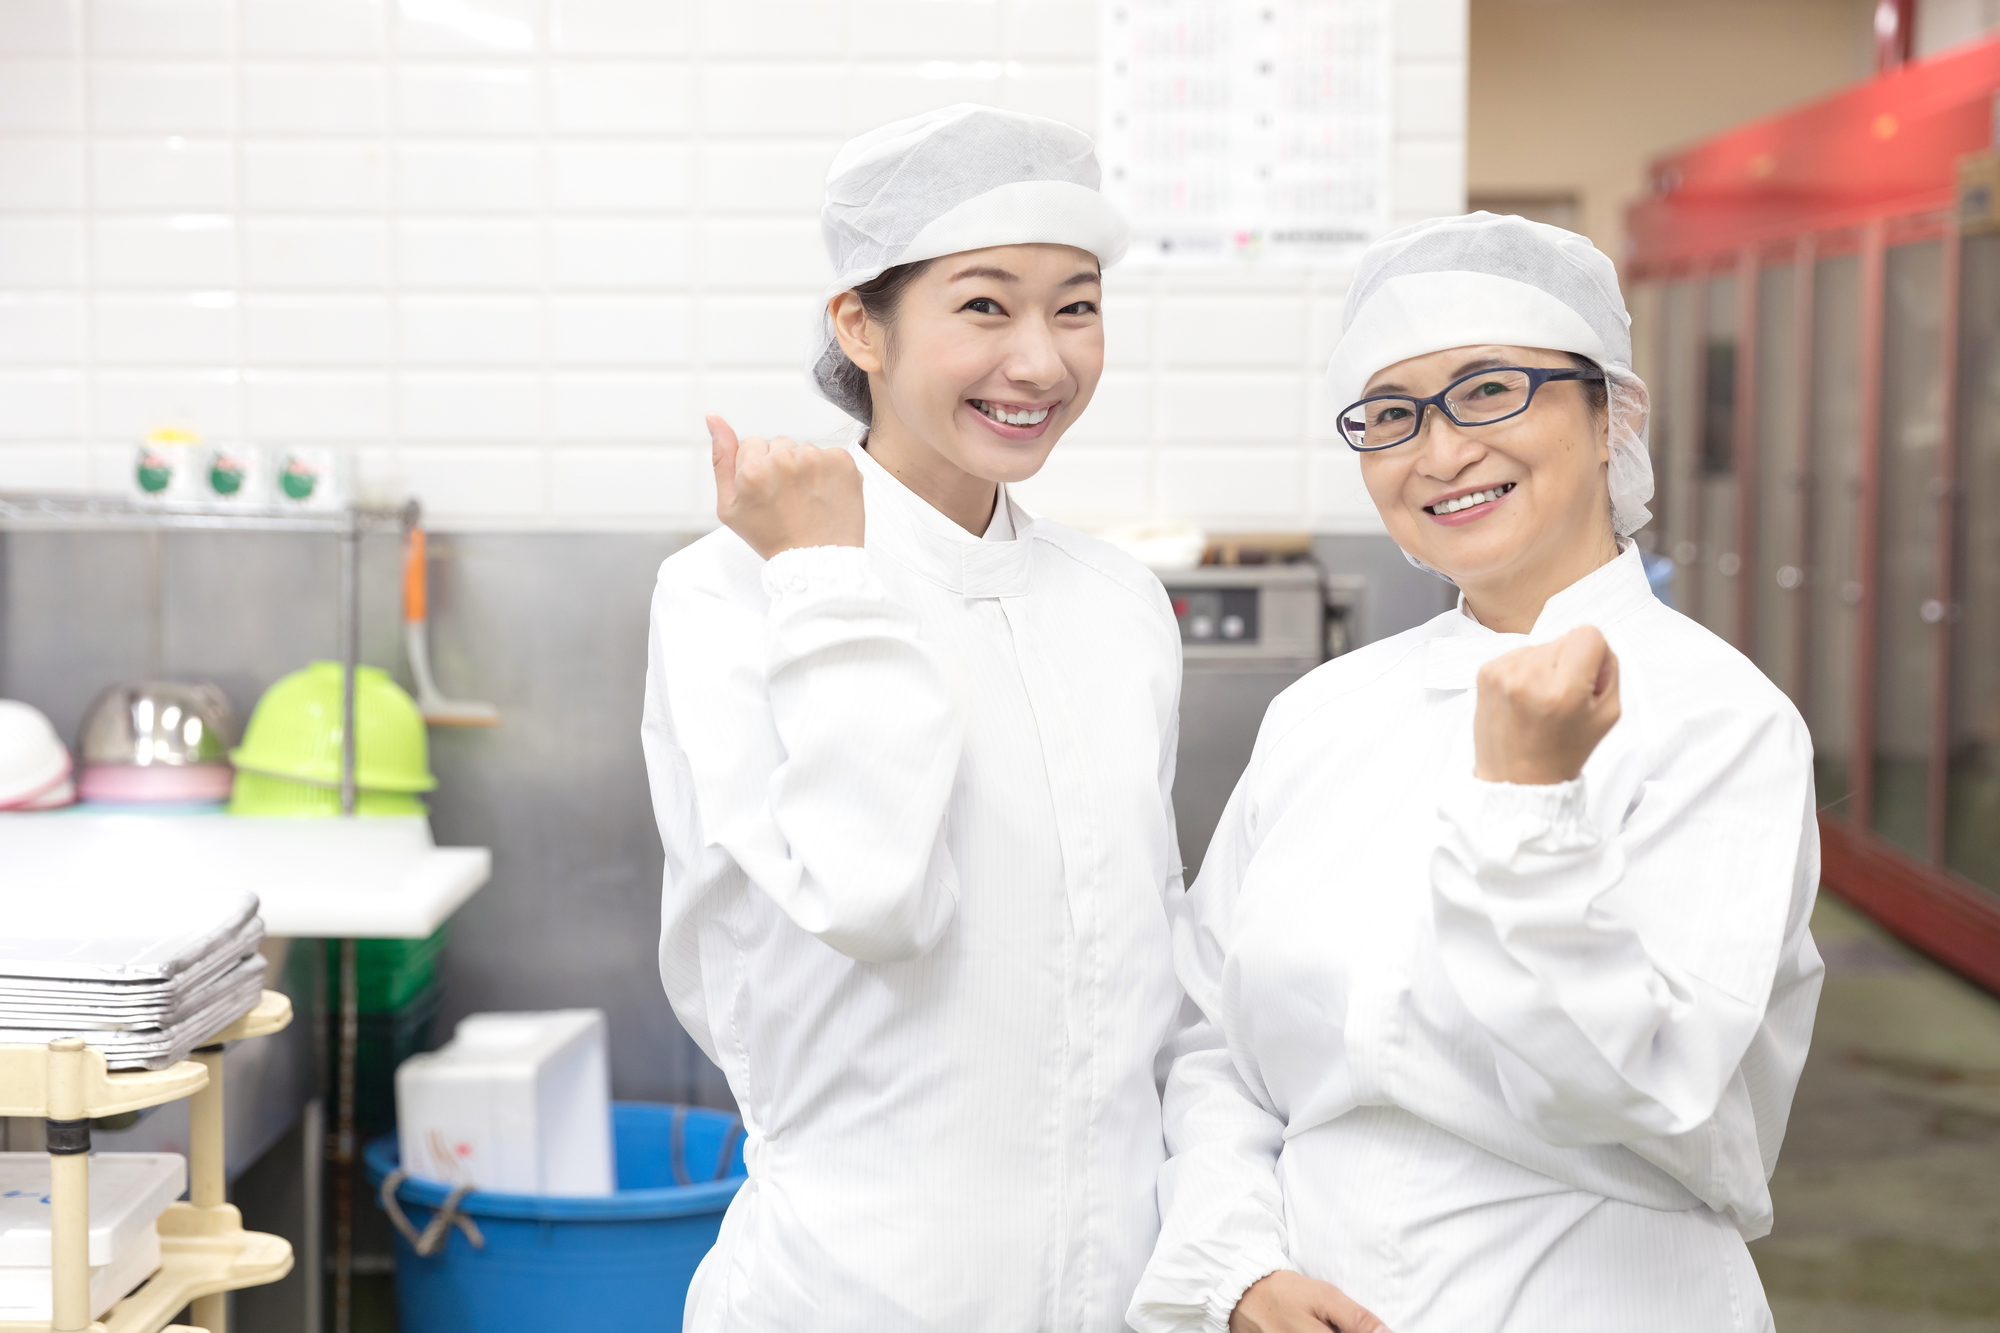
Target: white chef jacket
1496	1058
919	860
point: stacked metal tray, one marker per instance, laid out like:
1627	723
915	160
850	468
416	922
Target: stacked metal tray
142	977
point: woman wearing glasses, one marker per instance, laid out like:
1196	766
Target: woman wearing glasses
1500	950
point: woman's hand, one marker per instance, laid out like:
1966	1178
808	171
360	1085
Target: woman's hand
1286	1302
779	495
1542	710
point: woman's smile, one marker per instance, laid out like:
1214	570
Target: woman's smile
1014	421
1466	506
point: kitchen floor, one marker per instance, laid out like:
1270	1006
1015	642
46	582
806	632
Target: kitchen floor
1888	1189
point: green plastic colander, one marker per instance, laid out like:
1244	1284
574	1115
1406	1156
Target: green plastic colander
295	733
259	795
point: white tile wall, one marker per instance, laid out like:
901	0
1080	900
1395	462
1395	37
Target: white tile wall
507	252
40	252
40	98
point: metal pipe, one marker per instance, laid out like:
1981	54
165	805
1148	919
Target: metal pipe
343	1154
350	656
156	602
62	512
312	1232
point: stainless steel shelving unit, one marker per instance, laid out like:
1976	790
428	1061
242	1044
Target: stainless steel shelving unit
32	512
74	513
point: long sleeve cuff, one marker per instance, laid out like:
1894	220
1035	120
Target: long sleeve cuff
1229	1293
817	569
1193	1283
1515	829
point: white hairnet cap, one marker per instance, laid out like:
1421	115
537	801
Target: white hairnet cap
964	177
1488	278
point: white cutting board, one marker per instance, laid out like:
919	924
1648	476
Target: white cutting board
377	878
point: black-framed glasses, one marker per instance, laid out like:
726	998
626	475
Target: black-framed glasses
1478	399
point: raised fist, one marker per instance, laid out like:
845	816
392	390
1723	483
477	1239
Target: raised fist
1542	710
779	495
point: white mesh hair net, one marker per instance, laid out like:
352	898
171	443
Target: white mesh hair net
961	178
1488	278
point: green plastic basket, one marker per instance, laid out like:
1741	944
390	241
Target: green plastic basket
389	973
261	795
295	731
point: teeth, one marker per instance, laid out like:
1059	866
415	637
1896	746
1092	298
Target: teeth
1029	417
1468	501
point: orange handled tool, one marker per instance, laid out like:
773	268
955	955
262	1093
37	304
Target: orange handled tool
416	588
438	710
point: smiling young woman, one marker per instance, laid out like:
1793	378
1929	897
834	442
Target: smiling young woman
1012	341
911	751
1500	950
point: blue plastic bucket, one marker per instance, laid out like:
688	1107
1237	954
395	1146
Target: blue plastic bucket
623	1261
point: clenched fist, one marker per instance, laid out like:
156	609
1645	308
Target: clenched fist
1287	1302
779	495
1542	710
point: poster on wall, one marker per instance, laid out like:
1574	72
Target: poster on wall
1247	129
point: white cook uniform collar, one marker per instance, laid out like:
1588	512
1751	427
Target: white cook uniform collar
919	859
1491	1056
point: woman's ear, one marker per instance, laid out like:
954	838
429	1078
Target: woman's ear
859	336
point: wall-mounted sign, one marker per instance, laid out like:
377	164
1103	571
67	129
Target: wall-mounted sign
1247	128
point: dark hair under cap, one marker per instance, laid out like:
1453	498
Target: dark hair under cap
840	381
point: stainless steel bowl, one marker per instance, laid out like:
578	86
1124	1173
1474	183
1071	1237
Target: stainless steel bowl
163	722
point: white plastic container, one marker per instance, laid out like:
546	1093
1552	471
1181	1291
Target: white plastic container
167	465
513	1104
128	1192
304	477
235	474
28	1293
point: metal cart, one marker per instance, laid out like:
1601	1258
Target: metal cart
204	1249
